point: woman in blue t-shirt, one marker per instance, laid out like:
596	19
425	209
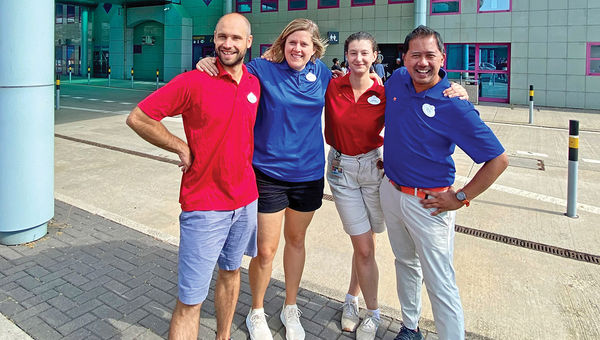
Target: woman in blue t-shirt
289	162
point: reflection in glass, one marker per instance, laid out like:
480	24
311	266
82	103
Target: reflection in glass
494	5
493	85
595	66
445	7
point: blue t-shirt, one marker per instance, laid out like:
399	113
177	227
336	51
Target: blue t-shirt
288	140
422	129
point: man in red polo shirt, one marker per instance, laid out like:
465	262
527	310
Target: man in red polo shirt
218	189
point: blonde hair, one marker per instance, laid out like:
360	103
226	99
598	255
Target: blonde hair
277	49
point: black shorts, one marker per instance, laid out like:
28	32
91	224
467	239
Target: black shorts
275	195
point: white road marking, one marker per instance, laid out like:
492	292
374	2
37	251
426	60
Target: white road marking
529	153
77	97
538	197
125	103
595	161
177	118
108	101
93	99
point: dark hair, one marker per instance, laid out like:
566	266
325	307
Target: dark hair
335	60
423	32
360	36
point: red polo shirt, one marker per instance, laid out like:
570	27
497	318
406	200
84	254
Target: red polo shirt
218	119
353	127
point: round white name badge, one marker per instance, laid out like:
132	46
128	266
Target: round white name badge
373	100
251	97
429	110
311	76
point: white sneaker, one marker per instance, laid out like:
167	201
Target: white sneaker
258	328
290	317
350	317
368	328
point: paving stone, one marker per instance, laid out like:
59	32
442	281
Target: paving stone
112	299
62	303
30	312
160	296
39	298
135	304
9	253
10	307
116	287
102	329
48	286
42	330
80	334
106	312
90	294
28	282
86	307
324	315
76	324
75	278
69	290
155	324
54	317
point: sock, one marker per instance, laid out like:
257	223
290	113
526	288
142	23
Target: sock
257	310
375	312
351	298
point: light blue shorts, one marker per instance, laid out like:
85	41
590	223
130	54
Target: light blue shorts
210	237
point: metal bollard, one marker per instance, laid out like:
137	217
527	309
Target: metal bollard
88	75
109	76
70	70
530	104
58	92
157	79
132	77
573	166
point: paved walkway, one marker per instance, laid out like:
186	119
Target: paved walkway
92	278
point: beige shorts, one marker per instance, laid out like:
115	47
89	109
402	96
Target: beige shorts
354	183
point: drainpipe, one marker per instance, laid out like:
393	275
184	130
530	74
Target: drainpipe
227	6
84	40
420	12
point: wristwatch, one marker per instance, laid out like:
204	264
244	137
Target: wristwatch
461	196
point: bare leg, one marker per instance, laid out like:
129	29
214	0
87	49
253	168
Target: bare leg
185	321
294	254
366	267
354	286
227	290
259	272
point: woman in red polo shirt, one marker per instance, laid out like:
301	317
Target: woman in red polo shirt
354	118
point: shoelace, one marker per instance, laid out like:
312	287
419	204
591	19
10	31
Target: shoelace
257	318
370	323
292	315
352	310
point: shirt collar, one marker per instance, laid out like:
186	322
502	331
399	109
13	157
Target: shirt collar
310	67
224	74
376	88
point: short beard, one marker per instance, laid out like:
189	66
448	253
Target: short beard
235	62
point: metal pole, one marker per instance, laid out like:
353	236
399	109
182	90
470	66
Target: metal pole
132	77
57	91
157	79
573	166
70	70
420	12
109	76
530	104
88	69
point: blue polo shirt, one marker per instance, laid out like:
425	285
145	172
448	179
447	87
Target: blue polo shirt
422	130
288	140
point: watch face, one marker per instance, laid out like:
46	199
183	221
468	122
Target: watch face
461	196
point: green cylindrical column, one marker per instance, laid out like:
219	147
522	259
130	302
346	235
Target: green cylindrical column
84	39
26	120
420	13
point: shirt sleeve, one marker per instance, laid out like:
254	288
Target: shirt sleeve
474	137
253	66
170	100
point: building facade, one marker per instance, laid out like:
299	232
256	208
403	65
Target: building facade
502	46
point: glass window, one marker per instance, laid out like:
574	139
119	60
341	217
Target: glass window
399	1
59	14
363	2
593	60
294	5
70	14
484	65
328	3
243	6
445	6
494	5
269	5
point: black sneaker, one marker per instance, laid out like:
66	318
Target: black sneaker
408	334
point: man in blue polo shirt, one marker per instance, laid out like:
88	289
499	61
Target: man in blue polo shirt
418	200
